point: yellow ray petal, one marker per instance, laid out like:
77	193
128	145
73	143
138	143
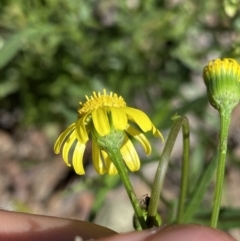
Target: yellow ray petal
77	159
130	155
61	138
111	169
81	129
141	138
139	117
157	133
97	161
67	146
100	121
119	118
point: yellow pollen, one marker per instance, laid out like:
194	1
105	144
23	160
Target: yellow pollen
98	100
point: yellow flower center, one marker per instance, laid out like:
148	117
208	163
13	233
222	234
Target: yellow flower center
98	100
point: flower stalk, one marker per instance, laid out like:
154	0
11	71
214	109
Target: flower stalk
222	79
116	158
225	117
111	144
152	216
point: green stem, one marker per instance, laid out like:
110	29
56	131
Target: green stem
162	168
185	168
222	151
116	158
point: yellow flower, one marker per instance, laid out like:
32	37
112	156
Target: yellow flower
101	113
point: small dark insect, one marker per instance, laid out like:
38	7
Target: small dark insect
145	200
144	203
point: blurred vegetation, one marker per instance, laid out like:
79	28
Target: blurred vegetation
53	53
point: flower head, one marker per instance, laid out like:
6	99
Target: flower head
222	79
100	116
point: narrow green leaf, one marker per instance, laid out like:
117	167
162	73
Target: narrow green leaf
8	87
228	218
15	42
199	190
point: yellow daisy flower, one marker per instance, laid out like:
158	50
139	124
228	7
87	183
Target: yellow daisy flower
102	113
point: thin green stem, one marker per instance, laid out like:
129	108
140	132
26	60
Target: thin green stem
116	158
222	151
162	168
185	168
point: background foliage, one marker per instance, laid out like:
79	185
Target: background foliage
53	53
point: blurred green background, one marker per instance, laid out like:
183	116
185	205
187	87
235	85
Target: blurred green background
53	53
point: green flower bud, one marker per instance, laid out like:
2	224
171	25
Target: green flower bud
222	79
